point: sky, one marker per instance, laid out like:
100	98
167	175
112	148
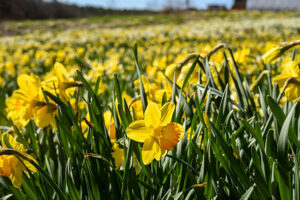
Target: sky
142	4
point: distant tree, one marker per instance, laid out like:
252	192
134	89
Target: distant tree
53	9
239	4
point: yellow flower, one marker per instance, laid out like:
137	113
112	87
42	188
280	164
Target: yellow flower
11	166
80	51
28	101
278	51
10	68
136	105
118	155
60	83
110	125
156	131
291	73
152	90
272	54
170	71
81	104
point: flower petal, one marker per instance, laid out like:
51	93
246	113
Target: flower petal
171	134
43	117
280	79
292	92
118	155
60	71
166	113
152	115
150	150
138	131
16	176
29	83
12	142
29	165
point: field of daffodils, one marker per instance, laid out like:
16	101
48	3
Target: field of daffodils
197	105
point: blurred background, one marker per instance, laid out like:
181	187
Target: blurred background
56	9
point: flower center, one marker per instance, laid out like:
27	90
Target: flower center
157	132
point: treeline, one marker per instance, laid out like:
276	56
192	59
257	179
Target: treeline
37	9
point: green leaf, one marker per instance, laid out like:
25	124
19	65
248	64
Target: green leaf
257	135
222	108
276	110
286	130
189	73
142	90
248	193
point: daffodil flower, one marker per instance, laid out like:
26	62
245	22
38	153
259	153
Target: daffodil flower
156	131
118	155
291	73
274	53
152	90
13	167
28	101
60	83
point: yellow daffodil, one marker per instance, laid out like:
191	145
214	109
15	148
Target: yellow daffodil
28	101
156	131
136	105
273	54
118	155
13	167
291	75
278	51
171	69
153	92
81	104
110	125
60	83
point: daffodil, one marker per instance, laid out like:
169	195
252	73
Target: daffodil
28	101
60	83
110	125
118	155
153	92
13	167
156	131
291	76
278	51
273	54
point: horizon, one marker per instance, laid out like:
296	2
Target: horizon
147	4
